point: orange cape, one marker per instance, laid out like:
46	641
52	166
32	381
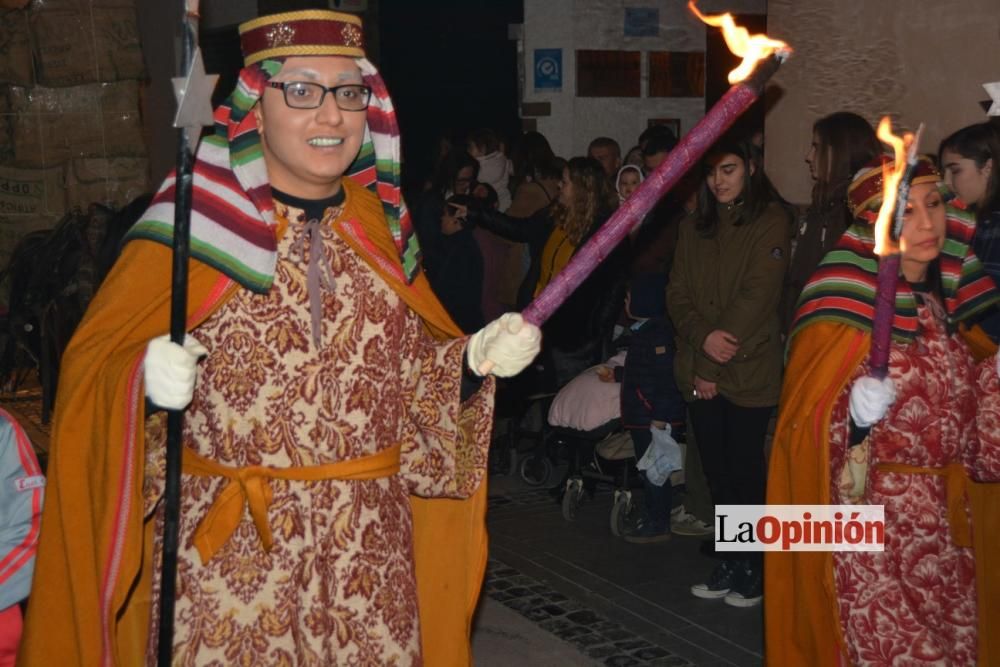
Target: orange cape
90	602
801	613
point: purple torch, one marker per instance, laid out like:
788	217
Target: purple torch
888	226
761	58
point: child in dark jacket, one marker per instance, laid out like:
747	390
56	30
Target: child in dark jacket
649	396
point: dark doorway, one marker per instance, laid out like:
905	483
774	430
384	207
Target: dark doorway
449	67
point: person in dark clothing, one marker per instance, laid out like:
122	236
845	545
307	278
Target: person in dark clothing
723	300
662	134
578	335
842	143
655	242
649	396
454	266
458	175
530	151
969	161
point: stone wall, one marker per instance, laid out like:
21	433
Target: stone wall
916	61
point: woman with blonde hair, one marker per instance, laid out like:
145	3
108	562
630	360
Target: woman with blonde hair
579	333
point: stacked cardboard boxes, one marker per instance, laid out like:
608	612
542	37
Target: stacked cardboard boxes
70	129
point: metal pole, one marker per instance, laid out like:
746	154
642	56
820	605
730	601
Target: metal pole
178	317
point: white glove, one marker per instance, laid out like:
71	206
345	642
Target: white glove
169	371
870	400
504	347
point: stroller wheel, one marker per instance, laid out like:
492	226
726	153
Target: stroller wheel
535	469
571	498
620	512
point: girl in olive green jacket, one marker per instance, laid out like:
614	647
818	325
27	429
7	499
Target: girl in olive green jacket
723	297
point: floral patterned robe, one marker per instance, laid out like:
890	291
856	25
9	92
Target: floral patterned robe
338	587
915	603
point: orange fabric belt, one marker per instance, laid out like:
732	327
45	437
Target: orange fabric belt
251	485
955	485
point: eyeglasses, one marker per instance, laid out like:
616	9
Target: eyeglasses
307	95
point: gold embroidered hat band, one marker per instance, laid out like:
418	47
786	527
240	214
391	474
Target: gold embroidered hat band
316	32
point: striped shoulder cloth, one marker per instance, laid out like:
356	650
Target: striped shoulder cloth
842	289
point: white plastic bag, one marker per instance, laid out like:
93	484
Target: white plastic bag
662	457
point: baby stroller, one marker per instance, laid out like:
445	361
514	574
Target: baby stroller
526	446
584	418
522	445
604	456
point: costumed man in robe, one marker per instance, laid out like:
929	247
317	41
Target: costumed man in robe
924	442
332	401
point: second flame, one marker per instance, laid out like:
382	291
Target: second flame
892	173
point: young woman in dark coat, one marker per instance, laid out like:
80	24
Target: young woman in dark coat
842	143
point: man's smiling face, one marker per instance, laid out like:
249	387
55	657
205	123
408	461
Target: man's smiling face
307	151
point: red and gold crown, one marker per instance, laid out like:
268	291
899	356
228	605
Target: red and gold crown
864	195
313	32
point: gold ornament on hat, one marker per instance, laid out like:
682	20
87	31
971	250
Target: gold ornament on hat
280	35
351	35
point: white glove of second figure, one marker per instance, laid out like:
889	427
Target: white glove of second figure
169	371
504	347
870	400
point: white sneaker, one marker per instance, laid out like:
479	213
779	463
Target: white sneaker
748	590
736	599
685	523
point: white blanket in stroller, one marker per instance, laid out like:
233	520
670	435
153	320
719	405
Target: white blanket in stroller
586	403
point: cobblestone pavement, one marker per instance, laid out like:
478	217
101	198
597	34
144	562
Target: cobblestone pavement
617	603
592	634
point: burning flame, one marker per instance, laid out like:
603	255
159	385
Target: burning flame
739	40
904	150
891	175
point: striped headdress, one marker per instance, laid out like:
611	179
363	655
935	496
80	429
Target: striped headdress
842	289
232	215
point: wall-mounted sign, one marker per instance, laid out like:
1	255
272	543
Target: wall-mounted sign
548	70
642	22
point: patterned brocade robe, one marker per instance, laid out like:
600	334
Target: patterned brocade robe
915	603
337	587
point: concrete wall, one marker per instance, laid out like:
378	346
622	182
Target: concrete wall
598	24
919	61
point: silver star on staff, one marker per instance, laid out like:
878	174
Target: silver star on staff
994	90
194	99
